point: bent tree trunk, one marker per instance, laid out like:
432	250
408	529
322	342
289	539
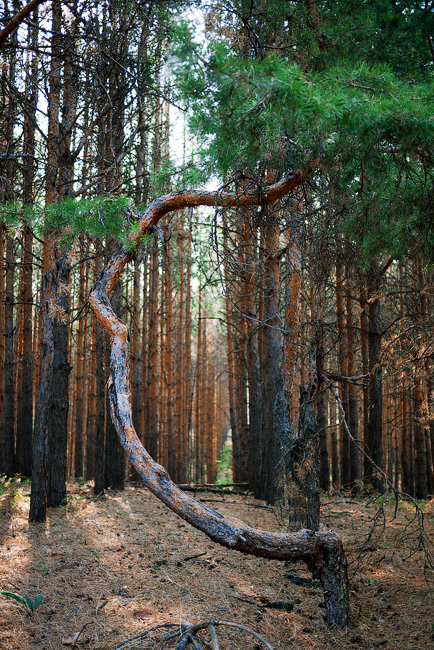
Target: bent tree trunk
321	551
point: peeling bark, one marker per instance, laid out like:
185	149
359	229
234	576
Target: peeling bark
321	551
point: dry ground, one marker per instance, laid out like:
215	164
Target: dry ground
117	565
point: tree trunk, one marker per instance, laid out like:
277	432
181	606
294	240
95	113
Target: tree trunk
24	432
407	482
172	464
321	551
79	375
252	352
9	363
198	432
38	496
100	414
353	420
344	456
152	397
271	370
58	427
374	431
114	453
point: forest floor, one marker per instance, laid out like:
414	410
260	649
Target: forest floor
114	566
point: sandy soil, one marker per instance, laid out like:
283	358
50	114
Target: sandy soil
119	564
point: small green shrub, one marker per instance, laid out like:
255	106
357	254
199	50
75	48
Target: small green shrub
27	602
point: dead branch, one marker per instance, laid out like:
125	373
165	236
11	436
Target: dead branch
424	542
143	634
18	19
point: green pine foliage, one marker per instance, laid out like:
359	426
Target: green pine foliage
369	125
99	217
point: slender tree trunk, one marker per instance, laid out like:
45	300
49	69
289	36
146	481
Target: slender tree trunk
58	425
407	483
180	375
211	468
353	419
374	431
91	408
9	419
236	449
79	375
204	399
144	417
38	496
188	379
271	370
23	456
100	397
344	455
253	364
152	408
172	457
114	465
198	395
420	474
136	357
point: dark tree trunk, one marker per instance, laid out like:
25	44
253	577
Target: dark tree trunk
353	419
23	456
407	482
253	366
23	453
136	357
100	413
374	430
152	396
308	468
342	352
38	496
271	370
9	393
79	376
58	427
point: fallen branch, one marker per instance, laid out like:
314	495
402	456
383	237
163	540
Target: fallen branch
141	635
193	557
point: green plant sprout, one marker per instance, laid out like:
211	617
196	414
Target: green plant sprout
27	602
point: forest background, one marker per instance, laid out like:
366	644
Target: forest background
303	328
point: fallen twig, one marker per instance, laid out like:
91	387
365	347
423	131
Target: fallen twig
142	634
193	557
79	634
284	605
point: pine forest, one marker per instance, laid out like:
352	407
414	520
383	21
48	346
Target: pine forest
216	281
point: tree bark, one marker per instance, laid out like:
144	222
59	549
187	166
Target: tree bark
353	420
271	369
58	429
374	431
9	363
252	352
114	453
342	352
